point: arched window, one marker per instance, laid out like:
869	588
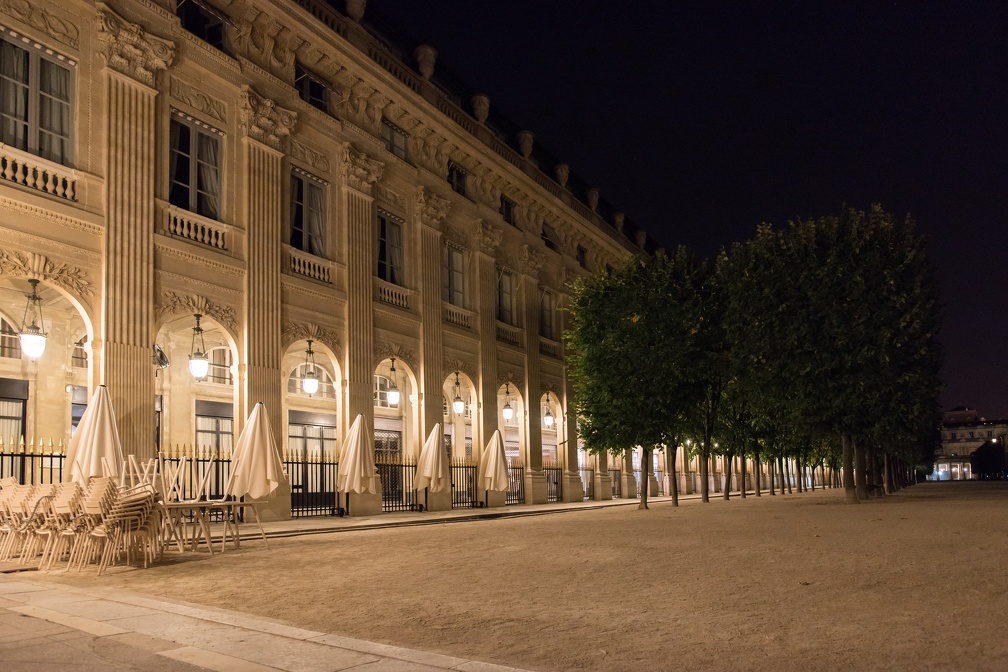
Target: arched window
326	387
381	388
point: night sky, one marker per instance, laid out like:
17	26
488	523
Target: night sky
701	120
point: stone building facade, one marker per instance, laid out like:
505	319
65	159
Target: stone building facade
275	168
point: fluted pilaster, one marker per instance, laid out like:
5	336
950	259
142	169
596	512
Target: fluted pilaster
533	411
487	288
128	282
430	211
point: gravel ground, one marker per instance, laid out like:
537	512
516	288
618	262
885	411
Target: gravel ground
915	581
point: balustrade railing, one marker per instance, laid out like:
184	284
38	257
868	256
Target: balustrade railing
549	348
508	334
308	265
458	316
393	295
196	228
34	172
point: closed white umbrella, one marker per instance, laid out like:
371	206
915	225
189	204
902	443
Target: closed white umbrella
432	467
96	440
256	468
356	461
493	469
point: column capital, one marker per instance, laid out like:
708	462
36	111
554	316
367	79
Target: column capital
488	235
263	120
129	50
431	209
359	170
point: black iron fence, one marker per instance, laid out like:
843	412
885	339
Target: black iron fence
33	465
463	478
313	483
516	483
398	475
588	480
554	482
616	476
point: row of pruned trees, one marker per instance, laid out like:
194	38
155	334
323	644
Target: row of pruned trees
814	342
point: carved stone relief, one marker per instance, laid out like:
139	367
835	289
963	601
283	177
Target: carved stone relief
303	331
384	350
197	99
171	303
263	120
533	261
32	265
358	169
488	235
38	18
265	42
316	160
391	197
431	209
515	379
450	366
127	49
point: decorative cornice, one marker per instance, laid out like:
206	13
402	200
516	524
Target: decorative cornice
195	98
199	260
264	41
316	160
171	303
450	365
263	120
431	209
488	235
302	331
38	18
358	170
50	216
129	50
384	350
38	266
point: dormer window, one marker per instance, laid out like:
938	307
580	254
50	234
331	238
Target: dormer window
507	210
582	257
203	21
550	238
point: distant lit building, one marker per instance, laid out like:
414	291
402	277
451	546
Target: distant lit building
963	430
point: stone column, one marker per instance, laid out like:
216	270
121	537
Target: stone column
629	484
535	480
572	477
489	237
132	59
359	173
265	128
430	211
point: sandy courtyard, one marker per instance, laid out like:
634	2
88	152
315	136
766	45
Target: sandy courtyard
800	582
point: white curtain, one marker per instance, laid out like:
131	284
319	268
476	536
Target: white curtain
208	177
314	222
395	251
14	94
54	112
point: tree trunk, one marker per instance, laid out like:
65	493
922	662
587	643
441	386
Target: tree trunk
673	481
759	474
786	475
727	477
860	470
800	474
742	483
887	473
771	468
704	489
645	486
811	472
850	492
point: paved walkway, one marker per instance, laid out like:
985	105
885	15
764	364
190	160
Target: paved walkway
47	626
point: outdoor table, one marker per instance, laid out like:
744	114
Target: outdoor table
200	510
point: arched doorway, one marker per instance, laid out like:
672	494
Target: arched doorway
397	438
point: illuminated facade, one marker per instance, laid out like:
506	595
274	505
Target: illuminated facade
273	167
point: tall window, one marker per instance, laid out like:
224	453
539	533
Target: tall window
214	432
12	420
10	342
307	214
195	168
202	20
311	88
457	178
394	139
390	249
546	328
582	257
220	366
453	276
381	387
326	388
35	103
507	210
312	440
505	298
